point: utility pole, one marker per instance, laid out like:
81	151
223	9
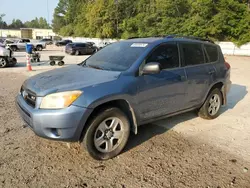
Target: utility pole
117	22
48	12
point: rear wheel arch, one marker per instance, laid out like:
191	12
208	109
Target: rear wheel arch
122	104
221	87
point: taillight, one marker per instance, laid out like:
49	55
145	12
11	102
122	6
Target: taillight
227	65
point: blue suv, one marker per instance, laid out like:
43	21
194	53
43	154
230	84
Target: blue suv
126	84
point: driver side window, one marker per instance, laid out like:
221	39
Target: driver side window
167	55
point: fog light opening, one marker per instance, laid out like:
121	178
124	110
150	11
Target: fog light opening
56	132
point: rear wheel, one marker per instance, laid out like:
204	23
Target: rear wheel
39	48
13	48
77	52
210	109
107	134
61	63
14	62
3	62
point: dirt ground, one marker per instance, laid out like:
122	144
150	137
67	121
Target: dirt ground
180	152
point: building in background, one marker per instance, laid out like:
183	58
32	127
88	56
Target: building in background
30	33
15	33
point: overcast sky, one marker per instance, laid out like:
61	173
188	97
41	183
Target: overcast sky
27	10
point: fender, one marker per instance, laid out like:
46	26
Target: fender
223	91
106	101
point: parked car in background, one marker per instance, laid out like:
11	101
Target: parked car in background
103	44
6	57
80	48
124	85
91	43
63	42
20	45
47	41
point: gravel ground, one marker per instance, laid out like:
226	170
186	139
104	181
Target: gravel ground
182	151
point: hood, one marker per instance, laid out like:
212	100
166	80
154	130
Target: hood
66	79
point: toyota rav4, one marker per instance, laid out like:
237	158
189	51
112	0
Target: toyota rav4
100	101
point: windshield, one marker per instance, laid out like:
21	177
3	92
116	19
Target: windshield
118	56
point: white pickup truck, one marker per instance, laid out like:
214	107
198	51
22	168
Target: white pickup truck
20	45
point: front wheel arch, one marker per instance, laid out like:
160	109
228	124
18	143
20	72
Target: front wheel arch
123	105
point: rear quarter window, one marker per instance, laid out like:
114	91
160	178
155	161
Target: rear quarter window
212	53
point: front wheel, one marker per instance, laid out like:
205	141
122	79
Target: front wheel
210	109
107	134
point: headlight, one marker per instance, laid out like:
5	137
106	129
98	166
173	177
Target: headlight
59	100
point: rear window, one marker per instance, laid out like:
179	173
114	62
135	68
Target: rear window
193	54
212	53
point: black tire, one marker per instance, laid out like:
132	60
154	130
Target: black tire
61	63
39	48
205	111
52	63
13	48
92	130
13	62
77	52
38	60
3	62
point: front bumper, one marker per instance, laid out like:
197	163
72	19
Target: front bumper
64	124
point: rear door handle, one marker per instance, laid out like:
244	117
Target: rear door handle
182	78
211	72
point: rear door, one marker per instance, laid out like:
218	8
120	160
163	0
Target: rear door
200	73
163	93
83	48
22	44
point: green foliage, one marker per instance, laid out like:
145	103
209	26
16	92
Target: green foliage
3	24
215	19
37	23
17	24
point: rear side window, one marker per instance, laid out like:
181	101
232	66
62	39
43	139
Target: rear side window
82	45
212	53
193	54
167	55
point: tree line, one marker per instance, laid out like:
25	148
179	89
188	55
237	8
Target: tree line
223	20
17	23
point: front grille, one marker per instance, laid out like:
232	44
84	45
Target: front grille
29	97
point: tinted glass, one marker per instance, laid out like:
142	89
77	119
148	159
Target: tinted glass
118	56
193	54
212	52
167	55
82	45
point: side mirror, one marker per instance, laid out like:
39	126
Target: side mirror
151	68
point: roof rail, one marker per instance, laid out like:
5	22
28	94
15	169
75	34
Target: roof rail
190	37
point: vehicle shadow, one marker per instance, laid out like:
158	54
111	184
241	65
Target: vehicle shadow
148	131
42	63
235	95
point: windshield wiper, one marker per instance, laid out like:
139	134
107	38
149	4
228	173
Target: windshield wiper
95	67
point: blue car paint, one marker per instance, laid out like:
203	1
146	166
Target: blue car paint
149	96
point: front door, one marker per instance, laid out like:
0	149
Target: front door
163	93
